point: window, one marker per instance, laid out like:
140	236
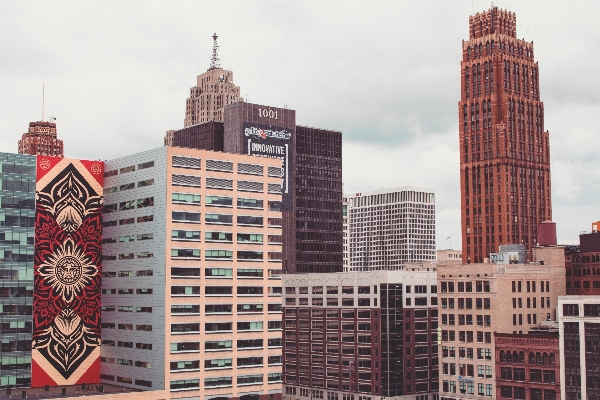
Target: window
249	308
249	255
146	202
192	347
219	363
219	381
250	220
185	216
185	198
219	201
249	290
185	235
249	273
185	253
571	310
218	254
249	203
185	309
224	219
250	326
147	182
218	327
249	343
217	345
217	308
185	328
218	290
249	379
250	238
218	236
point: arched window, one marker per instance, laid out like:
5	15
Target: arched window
487	46
546	359
508	356
538	358
502	356
552	359
515	357
522	357
531	358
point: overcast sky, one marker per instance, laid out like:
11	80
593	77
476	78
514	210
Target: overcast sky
386	74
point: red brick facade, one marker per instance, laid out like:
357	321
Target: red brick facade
583	266
527	366
504	149
41	140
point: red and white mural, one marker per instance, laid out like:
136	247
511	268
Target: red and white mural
68	257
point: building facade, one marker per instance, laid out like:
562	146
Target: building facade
478	300
203	136
504	149
51	247
527	365
361	335
192	287
583	265
389	228
318	202
579	324
449	256
41	140
213	91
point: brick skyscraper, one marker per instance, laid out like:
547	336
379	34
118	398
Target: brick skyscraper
504	149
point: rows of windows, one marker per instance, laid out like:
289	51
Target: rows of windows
128	186
224	345
224	381
466	387
467	336
467	352
480	286
223	363
481	303
216	290
222	255
127	221
131	168
467	319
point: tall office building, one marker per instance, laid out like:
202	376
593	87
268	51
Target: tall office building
504	149
361	335
191	283
389	228
41	140
478	300
311	184
213	91
50	248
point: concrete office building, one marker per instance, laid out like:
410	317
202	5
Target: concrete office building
476	300
579	324
504	147
361	335
50	253
345	231
191	283
391	227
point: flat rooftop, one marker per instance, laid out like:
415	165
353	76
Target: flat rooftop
55	392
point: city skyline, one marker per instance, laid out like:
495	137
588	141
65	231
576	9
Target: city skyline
402	118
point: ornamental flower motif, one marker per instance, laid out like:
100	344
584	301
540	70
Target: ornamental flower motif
96	169
45	164
67	271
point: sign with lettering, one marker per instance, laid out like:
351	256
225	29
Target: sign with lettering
273	142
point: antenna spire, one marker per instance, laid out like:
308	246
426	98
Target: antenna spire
214	60
43	100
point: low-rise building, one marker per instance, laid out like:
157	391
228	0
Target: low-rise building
527	365
583	264
361	335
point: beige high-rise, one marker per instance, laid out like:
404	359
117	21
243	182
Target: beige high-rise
213	91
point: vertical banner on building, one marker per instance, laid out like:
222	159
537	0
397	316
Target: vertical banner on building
67	268
273	142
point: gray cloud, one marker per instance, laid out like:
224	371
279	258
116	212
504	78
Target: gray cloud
385	73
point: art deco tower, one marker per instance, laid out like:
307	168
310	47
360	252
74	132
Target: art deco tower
504	149
213	91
